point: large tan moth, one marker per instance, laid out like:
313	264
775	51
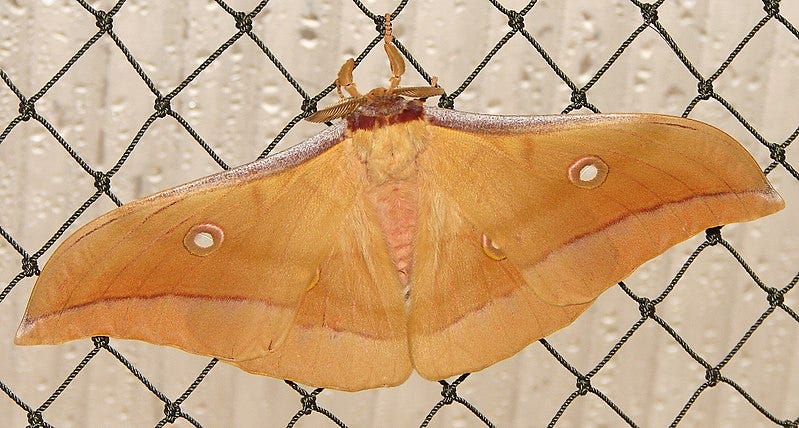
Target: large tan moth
403	237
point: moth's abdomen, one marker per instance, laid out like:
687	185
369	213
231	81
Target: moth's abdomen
397	206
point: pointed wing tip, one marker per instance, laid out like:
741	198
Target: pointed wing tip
23	336
39	331
760	203
773	199
32	332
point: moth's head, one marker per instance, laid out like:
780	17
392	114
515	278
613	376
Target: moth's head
379	102
382	110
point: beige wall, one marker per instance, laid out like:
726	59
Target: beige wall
240	103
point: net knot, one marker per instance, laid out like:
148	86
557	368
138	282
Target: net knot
713	235
446	102
578	99
713	376
772	7
100	341
449	392
30	267
171	411
308	403
243	22
380	24
309	106
647	307
776	297
649	12
705	88
26	109
162	106
104	21
102	181
583	384
778	154
515	20
35	419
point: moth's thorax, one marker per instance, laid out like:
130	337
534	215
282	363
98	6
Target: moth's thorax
388	152
388	134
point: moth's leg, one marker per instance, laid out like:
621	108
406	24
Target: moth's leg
394	56
344	80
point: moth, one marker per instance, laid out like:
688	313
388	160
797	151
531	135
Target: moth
404	237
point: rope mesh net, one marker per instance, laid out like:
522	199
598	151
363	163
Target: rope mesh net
241	28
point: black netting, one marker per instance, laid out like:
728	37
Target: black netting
772	297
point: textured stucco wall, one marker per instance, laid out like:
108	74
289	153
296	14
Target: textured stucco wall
241	102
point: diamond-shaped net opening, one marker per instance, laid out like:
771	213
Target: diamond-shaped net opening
283	88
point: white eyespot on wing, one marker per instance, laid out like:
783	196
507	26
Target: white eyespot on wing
588	172
203	239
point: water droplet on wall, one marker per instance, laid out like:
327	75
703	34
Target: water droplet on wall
309	37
